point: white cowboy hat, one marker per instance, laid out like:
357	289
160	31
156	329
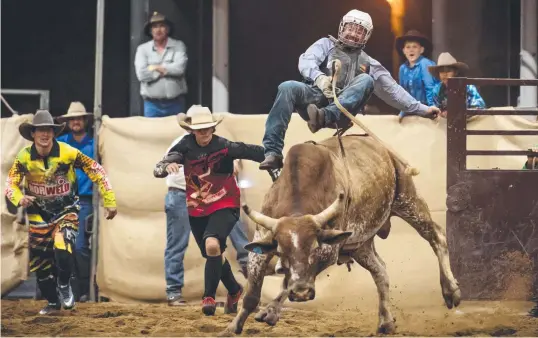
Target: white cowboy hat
42	118
447	60
76	109
198	117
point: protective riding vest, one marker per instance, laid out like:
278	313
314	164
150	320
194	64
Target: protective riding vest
354	62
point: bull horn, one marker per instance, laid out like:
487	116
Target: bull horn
265	221
326	215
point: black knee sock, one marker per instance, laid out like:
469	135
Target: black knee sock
47	286
213	272
228	278
64	261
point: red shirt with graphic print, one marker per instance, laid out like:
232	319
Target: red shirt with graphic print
211	184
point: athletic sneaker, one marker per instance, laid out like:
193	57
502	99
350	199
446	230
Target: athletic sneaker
209	306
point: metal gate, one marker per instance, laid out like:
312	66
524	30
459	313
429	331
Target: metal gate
492	216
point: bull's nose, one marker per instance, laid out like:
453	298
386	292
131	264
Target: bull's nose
302	295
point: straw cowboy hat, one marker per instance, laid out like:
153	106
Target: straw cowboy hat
42	118
198	117
447	60
76	109
413	35
155	18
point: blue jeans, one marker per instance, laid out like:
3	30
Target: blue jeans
296	96
177	239
239	239
82	244
163	108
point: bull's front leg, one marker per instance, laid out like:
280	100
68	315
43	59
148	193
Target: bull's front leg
256	272
271	313
368	258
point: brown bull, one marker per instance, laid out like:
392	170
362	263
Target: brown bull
324	208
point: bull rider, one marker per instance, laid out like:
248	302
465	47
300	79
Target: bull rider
312	99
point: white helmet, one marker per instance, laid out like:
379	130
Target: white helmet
355	29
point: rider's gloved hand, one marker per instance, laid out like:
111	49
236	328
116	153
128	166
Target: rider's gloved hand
323	82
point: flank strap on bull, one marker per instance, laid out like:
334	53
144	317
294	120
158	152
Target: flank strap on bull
337	66
274	173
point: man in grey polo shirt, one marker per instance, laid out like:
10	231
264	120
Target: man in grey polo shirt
160	67
178	232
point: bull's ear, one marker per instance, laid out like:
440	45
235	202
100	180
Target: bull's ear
331	236
262	247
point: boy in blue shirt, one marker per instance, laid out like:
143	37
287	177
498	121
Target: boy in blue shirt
78	120
414	76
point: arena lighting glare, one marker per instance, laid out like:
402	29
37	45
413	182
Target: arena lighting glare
397	12
244	184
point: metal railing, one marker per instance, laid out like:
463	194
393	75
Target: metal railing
44	95
458	113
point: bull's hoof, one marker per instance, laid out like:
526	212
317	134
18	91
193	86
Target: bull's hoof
231	330
452	299
387	328
227	333
268	315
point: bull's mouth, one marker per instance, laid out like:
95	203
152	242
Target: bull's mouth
302	295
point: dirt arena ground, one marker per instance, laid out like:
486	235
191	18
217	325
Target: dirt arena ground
112	319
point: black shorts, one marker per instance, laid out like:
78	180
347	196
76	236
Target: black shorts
218	225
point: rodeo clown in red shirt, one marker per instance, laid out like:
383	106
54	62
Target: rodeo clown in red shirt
213	197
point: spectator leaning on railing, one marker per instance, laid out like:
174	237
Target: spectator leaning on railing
414	76
448	67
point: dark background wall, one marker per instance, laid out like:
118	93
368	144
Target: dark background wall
51	45
486	36
267	37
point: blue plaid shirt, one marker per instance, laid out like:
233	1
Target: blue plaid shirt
418	81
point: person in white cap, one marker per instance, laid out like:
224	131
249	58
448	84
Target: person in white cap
78	121
360	76
213	197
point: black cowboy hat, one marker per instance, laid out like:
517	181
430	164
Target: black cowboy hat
42	118
158	17
413	35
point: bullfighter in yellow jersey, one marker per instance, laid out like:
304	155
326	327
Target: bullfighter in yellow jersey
50	199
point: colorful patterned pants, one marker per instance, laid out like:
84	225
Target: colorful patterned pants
52	253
